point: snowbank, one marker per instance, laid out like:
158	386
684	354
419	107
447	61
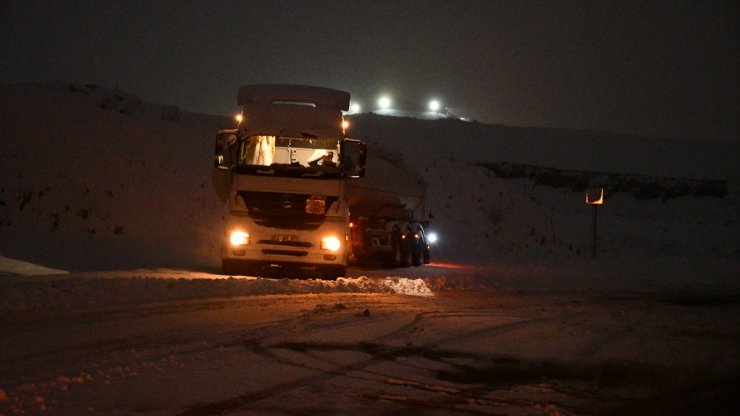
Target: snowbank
96	290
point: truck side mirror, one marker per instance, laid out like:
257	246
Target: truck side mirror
218	162
360	168
223	162
353	158
359	172
363	154
225	148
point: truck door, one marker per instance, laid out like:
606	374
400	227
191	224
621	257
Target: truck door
224	162
353	158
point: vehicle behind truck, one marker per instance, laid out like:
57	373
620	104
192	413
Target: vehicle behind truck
295	190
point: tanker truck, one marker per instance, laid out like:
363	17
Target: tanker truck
297	194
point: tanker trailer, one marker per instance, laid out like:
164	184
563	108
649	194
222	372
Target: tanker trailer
389	218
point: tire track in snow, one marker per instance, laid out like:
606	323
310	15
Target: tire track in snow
378	353
240	401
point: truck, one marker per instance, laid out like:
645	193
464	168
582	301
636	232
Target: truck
297	194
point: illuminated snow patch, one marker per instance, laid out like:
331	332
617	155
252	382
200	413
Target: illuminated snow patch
404	286
12	266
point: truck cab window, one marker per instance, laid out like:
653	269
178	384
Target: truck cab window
289	152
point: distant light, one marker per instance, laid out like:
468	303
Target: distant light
239	117
599	201
355	108
384	102
432	238
345	124
434	105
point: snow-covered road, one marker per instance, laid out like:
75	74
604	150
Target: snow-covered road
369	350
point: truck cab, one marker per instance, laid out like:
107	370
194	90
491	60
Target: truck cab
282	174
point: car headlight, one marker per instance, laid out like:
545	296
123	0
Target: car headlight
239	238
330	243
432	238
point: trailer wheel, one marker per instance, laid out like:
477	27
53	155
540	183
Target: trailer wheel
394	258
417	254
427	255
407	248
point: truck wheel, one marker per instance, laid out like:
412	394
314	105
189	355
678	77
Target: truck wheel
232	267
334	271
227	267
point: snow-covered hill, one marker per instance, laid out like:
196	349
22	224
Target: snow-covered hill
485	217
93	178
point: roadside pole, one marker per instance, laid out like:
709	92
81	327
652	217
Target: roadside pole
595	203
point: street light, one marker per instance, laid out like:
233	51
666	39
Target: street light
384	102
434	105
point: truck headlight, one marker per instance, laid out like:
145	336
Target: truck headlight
239	238
330	243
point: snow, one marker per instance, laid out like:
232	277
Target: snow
111	181
25	268
109	225
97	179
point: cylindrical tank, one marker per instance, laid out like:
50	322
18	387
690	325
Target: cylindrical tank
390	189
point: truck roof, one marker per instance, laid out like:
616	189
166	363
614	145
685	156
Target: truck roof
320	97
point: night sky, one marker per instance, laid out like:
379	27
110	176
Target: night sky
651	68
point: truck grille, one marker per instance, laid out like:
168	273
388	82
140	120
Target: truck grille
283	223
285	252
286	243
284	211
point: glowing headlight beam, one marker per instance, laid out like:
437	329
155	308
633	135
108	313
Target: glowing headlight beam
331	243
239	238
432	238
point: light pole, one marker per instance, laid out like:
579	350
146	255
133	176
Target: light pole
595	203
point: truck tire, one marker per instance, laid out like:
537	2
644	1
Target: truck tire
226	267
417	254
242	268
407	249
394	258
332	272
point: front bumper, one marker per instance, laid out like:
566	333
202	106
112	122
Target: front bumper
281	246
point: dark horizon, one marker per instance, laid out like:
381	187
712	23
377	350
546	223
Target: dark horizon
660	69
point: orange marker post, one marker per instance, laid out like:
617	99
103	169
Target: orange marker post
595	203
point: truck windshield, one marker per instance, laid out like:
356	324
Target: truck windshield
289	155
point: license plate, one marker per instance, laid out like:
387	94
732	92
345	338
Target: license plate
285	237
315	206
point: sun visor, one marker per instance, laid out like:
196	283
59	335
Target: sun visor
292	120
320	97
